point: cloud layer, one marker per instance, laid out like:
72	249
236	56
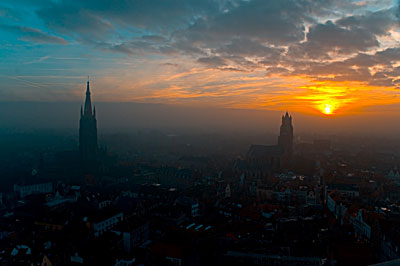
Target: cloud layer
329	41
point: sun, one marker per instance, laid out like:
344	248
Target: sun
328	109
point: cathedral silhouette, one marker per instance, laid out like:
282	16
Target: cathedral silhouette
285	139
88	133
262	160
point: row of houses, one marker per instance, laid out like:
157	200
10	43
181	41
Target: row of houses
371	225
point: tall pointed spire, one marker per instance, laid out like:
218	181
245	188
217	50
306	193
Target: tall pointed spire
88	133
88	102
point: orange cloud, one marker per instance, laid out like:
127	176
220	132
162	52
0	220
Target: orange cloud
190	85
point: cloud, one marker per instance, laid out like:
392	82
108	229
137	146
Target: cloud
70	19
275	22
40	59
249	48
398	10
96	19
260	29
378	69
316	40
201	22
32	34
213	61
378	23
330	37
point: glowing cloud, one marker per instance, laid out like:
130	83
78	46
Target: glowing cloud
322	57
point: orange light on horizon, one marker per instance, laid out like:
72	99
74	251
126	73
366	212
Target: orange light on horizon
241	90
332	98
328	109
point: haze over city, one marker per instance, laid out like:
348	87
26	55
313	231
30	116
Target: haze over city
200	132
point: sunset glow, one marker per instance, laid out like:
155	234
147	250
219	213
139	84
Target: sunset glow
336	67
327	109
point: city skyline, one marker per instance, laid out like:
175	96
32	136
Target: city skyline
329	58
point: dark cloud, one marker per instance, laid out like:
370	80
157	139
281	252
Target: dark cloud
154	38
374	69
286	37
254	19
377	23
277	70
142	46
277	22
330	37
398	10
33	35
191	21
245	47
388	56
213	61
348	35
170	64
121	48
70	19
96	18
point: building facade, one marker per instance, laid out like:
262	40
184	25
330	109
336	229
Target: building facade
100	225
40	188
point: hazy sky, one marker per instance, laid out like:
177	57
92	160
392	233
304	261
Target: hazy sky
308	56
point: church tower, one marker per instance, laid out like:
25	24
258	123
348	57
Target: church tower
285	139
88	132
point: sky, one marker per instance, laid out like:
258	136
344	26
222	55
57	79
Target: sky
320	58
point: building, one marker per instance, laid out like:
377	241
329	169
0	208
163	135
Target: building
125	262
262	160
285	139
30	189
394	175
249	258
88	132
189	206
135	232
103	221
389	240
361	229
348	190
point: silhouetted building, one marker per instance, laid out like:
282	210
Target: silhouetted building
263	160
285	139
88	132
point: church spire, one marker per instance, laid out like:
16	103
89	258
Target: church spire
88	102
88	133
